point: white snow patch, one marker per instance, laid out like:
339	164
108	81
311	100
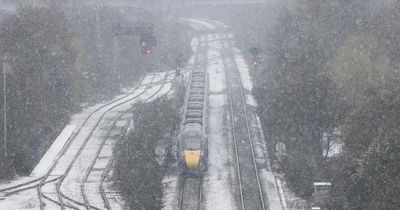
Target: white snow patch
194	43
250	100
243	70
223	25
170	195
24	201
200	22
45	163
217	180
217	101
215	71
71	185
271	184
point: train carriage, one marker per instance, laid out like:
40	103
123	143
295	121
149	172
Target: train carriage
192	139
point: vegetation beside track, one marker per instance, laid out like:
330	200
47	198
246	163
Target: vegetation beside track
329	75
139	166
56	64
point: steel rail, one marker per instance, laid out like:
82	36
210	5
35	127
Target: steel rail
247	125
21	185
184	192
39	179
28	188
66	146
107	169
233	125
104	141
202	64
118	103
86	120
42	180
58	203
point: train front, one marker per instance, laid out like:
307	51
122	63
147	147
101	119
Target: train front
192	151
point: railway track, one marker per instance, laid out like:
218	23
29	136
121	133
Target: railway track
98	111
45	180
190	197
35	182
86	201
251	193
49	179
126	115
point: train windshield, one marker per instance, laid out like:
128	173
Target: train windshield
192	143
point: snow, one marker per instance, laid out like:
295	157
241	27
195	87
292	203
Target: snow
196	23
170	192
220	24
250	100
215	70
24	201
271	185
194	44
322	183
71	185
243	69
220	175
220	181
170	182
45	163
86	157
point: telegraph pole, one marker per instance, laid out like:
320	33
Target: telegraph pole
5	106
98	22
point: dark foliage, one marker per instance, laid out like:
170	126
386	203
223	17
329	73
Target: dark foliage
138	173
333	65
41	93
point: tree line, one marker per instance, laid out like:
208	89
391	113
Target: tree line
331	74
59	59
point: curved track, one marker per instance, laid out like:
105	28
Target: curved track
113	104
49	178
89	169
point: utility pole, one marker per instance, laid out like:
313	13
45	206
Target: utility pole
78	17
98	22
5	106
115	55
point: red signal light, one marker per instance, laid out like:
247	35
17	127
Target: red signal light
148	51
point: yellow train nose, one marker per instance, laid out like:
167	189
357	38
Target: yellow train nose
192	158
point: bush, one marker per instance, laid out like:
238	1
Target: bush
138	173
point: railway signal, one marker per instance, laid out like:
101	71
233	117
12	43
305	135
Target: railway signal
255	52
179	61
147	42
178	70
256	61
147	39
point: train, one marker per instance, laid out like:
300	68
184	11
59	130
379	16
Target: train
192	141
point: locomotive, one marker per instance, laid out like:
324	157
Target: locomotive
192	142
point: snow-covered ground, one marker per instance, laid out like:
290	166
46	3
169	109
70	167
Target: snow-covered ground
272	188
220	178
45	163
70	146
220	181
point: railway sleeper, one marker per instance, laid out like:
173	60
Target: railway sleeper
193	121
196	93
196	98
